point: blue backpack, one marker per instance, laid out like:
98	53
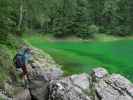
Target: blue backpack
19	60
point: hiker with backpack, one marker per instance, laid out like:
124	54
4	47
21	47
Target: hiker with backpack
21	60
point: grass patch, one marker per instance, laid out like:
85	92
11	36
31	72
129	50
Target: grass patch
82	56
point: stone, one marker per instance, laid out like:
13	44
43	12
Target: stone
113	87
81	81
65	90
99	73
41	71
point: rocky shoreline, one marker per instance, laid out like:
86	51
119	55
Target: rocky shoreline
48	83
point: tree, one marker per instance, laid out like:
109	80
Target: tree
66	17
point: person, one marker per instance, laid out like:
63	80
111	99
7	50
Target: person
21	60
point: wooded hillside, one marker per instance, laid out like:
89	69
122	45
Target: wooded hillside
66	17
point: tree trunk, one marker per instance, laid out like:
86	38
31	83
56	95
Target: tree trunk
20	16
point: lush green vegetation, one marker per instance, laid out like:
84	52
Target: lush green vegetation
81	56
82	18
6	67
8	48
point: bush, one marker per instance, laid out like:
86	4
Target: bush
87	32
7	50
121	30
10	40
13	41
5	62
93	29
3	37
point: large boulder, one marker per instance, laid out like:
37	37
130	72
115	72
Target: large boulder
69	88
112	87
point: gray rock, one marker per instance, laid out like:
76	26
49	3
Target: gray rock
42	70
81	81
39	90
65	90
99	73
81	87
114	87
4	96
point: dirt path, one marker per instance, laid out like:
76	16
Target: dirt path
23	95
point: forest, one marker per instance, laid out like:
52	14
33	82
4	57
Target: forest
82	18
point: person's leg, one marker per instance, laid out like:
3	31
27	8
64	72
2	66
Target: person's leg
24	76
24	71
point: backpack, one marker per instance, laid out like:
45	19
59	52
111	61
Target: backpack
19	60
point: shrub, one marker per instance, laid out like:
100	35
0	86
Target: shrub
93	29
13	41
5	62
121	30
88	31
10	40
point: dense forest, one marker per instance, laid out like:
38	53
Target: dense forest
82	18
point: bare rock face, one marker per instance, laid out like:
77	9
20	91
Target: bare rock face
42	70
112	87
70	88
43	67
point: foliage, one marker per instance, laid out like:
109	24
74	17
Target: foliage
66	17
1	98
89	31
8	48
11	41
6	66
7	15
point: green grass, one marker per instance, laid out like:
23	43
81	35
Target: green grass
6	55
1	98
81	56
